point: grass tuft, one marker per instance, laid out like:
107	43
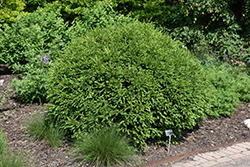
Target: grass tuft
105	147
54	134
50	130
3	142
12	159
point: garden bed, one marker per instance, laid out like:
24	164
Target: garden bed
209	133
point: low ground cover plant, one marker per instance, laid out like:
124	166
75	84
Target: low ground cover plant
131	75
230	81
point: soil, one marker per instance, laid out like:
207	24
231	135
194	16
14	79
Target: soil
209	133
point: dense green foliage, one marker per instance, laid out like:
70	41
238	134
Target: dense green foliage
105	147
231	89
156	11
68	9
10	9
224	25
11	158
100	15
31	36
24	42
131	75
230	83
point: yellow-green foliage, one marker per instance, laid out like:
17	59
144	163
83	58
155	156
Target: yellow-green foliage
154	10
10	9
69	9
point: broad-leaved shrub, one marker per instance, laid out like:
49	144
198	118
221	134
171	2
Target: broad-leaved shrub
224	25
31	37
130	75
230	84
22	45
10	9
157	11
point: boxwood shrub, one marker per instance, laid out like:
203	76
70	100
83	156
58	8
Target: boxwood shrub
129	75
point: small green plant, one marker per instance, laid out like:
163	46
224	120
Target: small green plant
36	126
12	159
31	85
3	142
105	147
49	130
54	134
8	157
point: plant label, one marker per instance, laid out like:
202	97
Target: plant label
169	132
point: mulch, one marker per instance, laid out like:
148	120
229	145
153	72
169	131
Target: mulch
208	134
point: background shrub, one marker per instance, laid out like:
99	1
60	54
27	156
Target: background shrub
131	75
100	15
68	9
10	9
22	44
223	25
230	83
31	37
156	11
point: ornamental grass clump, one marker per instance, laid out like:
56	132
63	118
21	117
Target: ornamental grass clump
105	146
3	142
131	75
50	130
8	156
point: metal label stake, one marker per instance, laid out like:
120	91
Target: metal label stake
169	133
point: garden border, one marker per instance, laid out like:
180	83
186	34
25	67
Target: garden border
181	156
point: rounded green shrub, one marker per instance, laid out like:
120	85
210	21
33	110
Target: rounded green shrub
130	75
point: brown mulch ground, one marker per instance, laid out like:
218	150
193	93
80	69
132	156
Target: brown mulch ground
209	133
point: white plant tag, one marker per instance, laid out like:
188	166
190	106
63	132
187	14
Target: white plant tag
169	133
